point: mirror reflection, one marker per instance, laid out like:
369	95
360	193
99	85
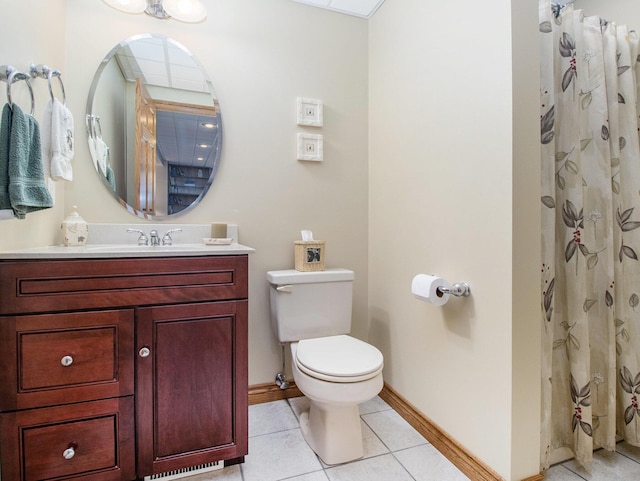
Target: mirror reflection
154	126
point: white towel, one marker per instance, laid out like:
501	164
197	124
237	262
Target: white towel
57	140
45	142
45	138
92	151
102	155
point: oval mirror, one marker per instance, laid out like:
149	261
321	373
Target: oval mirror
154	126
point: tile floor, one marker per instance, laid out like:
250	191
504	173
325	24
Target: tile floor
623	465
394	451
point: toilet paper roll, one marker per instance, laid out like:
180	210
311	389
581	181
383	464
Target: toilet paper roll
425	288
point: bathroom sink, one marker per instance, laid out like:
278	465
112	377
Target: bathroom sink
108	248
124	250
117	240
128	250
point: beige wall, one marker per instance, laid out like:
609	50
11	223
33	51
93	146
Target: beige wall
23	27
526	234
446	168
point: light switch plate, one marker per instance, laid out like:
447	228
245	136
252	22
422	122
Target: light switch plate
310	112
310	147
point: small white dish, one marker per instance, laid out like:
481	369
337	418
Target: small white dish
217	241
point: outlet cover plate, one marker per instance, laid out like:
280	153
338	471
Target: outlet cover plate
310	112
310	147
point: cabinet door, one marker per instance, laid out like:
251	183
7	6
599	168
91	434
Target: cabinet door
191	397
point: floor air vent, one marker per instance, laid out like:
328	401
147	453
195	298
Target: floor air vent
181	473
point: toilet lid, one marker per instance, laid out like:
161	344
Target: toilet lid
339	358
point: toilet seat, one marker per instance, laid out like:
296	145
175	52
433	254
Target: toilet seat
341	359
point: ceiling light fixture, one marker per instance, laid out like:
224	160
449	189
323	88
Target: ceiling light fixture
191	11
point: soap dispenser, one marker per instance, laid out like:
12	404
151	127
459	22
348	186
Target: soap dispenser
74	230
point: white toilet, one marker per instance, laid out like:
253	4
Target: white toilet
336	372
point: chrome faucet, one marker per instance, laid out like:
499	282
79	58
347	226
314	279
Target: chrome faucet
166	239
142	240
154	238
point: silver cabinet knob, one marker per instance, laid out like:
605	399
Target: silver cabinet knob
144	352
66	361
69	453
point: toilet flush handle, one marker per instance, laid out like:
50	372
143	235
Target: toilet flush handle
285	288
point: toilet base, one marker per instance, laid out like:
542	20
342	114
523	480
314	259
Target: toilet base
333	431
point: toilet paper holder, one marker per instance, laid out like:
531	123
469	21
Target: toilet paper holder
459	289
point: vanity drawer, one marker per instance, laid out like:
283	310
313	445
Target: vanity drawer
86	441
60	285
64	358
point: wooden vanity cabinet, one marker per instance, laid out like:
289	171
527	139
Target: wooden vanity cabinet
116	369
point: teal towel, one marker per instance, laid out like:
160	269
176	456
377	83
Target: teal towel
111	177
27	189
5	130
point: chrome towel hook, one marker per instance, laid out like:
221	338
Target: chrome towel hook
43	71
10	75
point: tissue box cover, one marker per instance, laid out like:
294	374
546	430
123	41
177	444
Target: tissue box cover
309	255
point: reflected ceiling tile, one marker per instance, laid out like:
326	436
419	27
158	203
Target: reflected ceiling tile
188	84
159	80
152	67
180	57
186	72
151	51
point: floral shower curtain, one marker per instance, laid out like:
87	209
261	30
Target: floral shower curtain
591	233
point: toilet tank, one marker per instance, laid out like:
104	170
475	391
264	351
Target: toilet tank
305	305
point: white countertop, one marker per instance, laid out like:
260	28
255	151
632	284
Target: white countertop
113	241
90	251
